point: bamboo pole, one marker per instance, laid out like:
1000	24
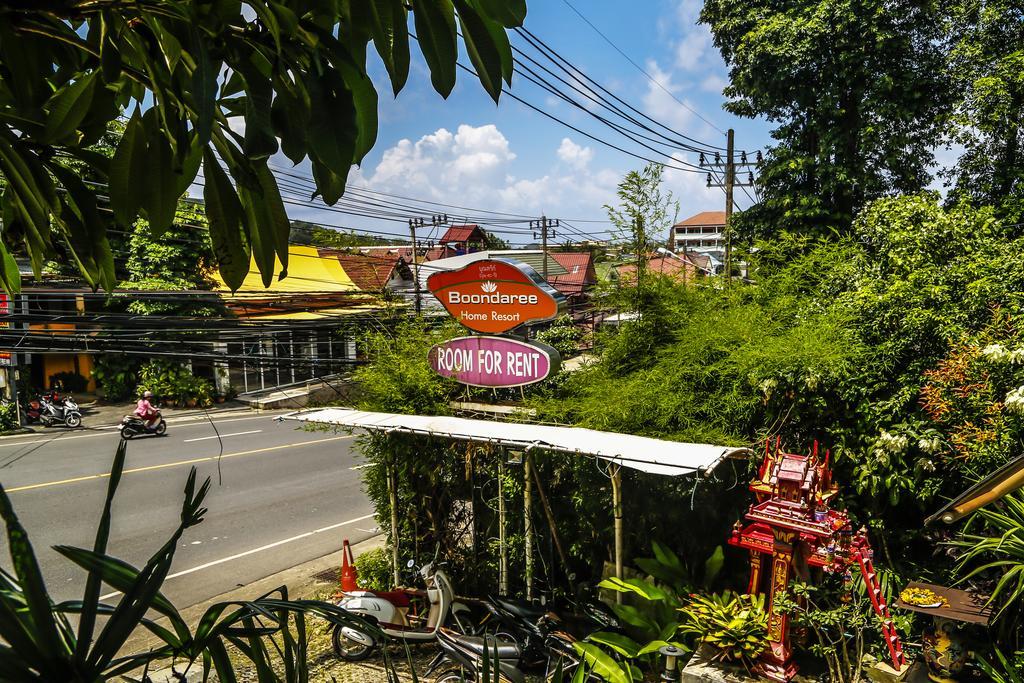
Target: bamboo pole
551	520
528	523
502	548
617	512
393	496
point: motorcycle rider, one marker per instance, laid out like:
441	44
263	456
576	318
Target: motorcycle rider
146	411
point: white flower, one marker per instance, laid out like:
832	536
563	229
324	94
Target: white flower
926	465
995	353
893	443
1017	355
1014	401
932	445
767	387
811	382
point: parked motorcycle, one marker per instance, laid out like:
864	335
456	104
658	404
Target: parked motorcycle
467	653
133	425
395	613
530	625
50	409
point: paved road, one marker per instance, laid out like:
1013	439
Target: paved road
287	496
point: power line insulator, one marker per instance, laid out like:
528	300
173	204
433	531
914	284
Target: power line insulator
709	180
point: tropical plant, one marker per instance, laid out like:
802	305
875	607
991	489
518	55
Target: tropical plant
839	626
8	416
172	380
42	644
375	571
845	83
189	73
69	381
116	375
735	626
1002	670
999	553
563	336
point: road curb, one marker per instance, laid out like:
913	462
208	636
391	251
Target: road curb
301	580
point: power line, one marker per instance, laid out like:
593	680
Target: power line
649	77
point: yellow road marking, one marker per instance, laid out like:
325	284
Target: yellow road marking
165	465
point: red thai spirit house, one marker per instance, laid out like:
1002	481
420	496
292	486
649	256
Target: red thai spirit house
790	529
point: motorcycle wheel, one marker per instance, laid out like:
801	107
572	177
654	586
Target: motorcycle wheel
347	649
127	432
161	428
73	420
452	676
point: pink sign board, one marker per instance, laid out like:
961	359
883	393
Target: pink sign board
494	361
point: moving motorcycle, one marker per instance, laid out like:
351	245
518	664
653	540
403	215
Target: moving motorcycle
395	612
133	425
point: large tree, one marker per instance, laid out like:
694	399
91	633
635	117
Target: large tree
293	70
987	65
857	89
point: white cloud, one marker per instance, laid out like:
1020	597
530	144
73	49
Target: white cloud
574	155
474	167
660	100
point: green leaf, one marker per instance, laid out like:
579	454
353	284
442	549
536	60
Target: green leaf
487	46
601	663
435	29
227	223
68	107
9	271
126	168
332	122
713	565
390	30
260	142
268	223
204	88
38	614
508	13
160	194
665	556
644	589
624	645
330	185
86	230
289	115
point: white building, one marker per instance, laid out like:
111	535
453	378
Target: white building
701	233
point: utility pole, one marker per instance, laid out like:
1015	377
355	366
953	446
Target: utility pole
437	220
413	224
545	226
729	183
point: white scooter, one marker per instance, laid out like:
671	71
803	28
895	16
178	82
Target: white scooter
390	612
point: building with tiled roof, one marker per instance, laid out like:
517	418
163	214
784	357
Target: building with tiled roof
580	274
373	272
681	268
464	238
701	232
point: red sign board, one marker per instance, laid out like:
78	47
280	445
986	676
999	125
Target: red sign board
493	296
494	361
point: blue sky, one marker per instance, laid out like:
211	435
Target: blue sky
466	151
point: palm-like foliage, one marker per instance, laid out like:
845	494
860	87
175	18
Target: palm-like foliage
1002	552
39	642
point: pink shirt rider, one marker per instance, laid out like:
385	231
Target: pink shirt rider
145	409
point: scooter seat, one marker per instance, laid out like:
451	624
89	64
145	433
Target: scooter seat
523	610
506	649
396	598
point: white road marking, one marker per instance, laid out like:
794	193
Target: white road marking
108	430
222	436
254	551
363	466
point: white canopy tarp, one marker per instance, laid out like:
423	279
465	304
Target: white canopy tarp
655	456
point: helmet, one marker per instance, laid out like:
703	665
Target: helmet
147	394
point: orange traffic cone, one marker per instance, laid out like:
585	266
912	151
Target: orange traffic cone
349	575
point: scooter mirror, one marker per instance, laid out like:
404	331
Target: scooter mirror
410	564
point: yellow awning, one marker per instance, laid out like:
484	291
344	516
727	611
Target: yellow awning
307	272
